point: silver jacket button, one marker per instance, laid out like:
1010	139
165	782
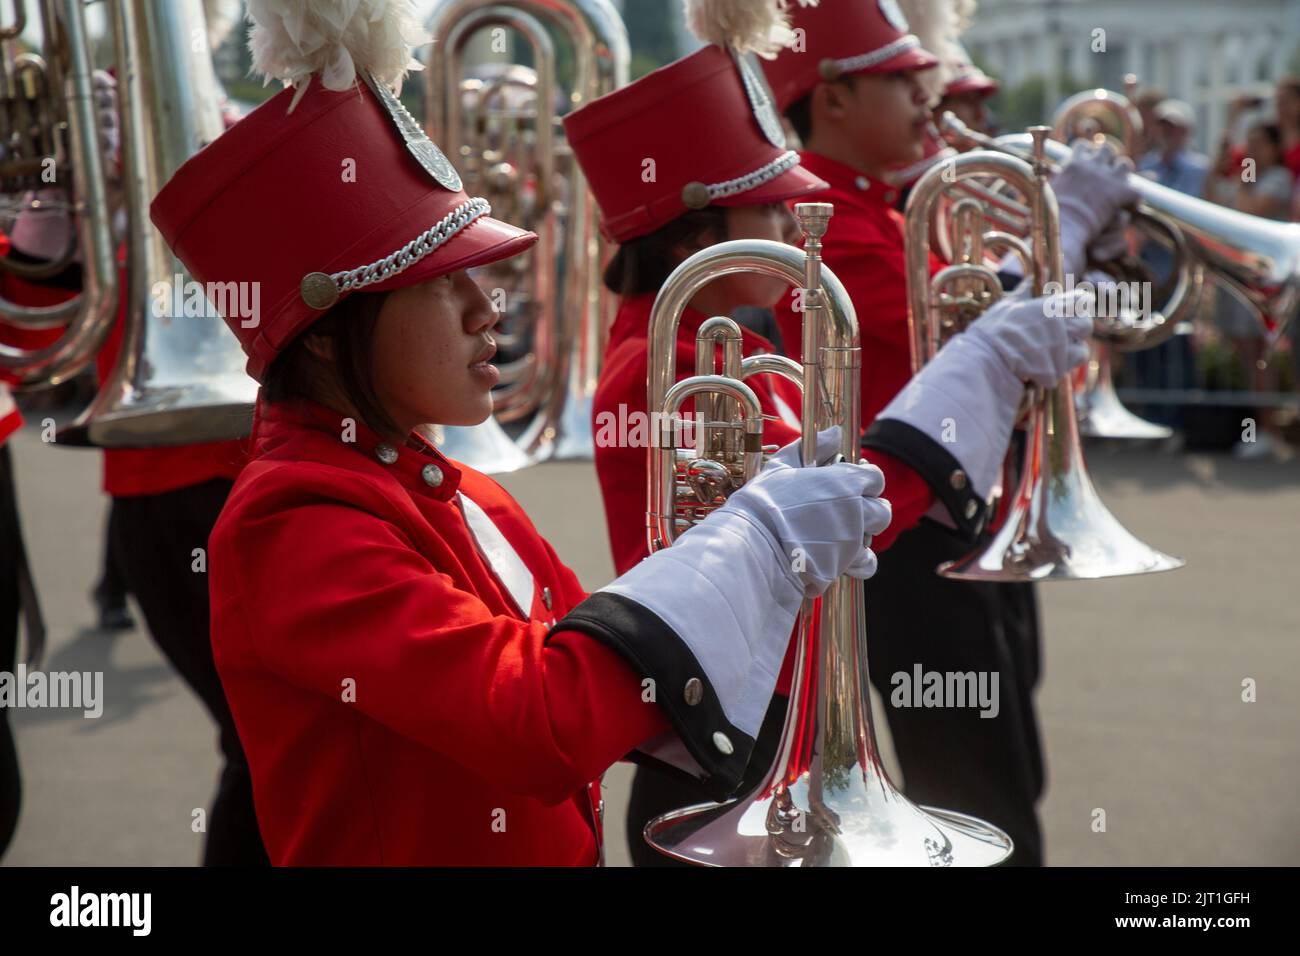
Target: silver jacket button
958	480
386	453
432	475
862	182
694	691
971	509
546	597
723	743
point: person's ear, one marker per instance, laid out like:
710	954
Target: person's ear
701	240
320	346
830	101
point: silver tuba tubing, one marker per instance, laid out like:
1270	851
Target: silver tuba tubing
90	314
178	379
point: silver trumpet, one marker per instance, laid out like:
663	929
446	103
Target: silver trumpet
504	131
1092	113
1056	527
827	800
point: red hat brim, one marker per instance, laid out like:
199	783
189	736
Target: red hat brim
917	58
972	84
791	184
482	242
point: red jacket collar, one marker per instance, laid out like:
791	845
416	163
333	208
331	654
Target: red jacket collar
277	424
846	179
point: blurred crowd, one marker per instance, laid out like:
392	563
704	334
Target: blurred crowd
1231	346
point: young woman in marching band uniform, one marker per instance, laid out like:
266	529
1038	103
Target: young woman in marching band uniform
416	677
693	154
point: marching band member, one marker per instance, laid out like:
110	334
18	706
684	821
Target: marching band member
853	93
17	594
718	168
416	677
164	502
957	85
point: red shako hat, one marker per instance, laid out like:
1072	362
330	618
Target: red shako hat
701	131
939	24
836	38
331	186
966	76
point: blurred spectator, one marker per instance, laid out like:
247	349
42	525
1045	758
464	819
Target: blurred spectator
1146	103
1288	119
1171	163
1257	181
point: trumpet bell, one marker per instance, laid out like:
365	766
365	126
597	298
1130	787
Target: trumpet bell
1101	413
1057	527
827	800
882	828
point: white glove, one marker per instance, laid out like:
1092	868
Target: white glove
731	586
966	398
1091	190
1112	242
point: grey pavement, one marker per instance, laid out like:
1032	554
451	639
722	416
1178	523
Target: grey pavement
1141	702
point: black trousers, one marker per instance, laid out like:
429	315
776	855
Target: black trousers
951	758
153	539
10	551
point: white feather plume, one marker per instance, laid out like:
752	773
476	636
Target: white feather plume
746	26
293	40
221	16
935	23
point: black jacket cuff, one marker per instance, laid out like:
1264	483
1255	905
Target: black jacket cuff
936	466
654	650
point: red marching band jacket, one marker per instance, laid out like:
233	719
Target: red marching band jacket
392	614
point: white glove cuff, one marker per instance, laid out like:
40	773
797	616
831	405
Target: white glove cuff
727	591
965	399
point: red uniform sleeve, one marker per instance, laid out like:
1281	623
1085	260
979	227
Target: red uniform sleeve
328	592
907	493
10	418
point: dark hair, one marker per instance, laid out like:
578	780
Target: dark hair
298	373
799	113
1273	132
643	264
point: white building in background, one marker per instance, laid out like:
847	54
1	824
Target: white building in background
1203	51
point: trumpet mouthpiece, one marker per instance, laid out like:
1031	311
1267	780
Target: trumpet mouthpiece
814	217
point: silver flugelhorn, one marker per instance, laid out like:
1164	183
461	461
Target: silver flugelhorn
827	800
504	131
1103	115
1056	526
